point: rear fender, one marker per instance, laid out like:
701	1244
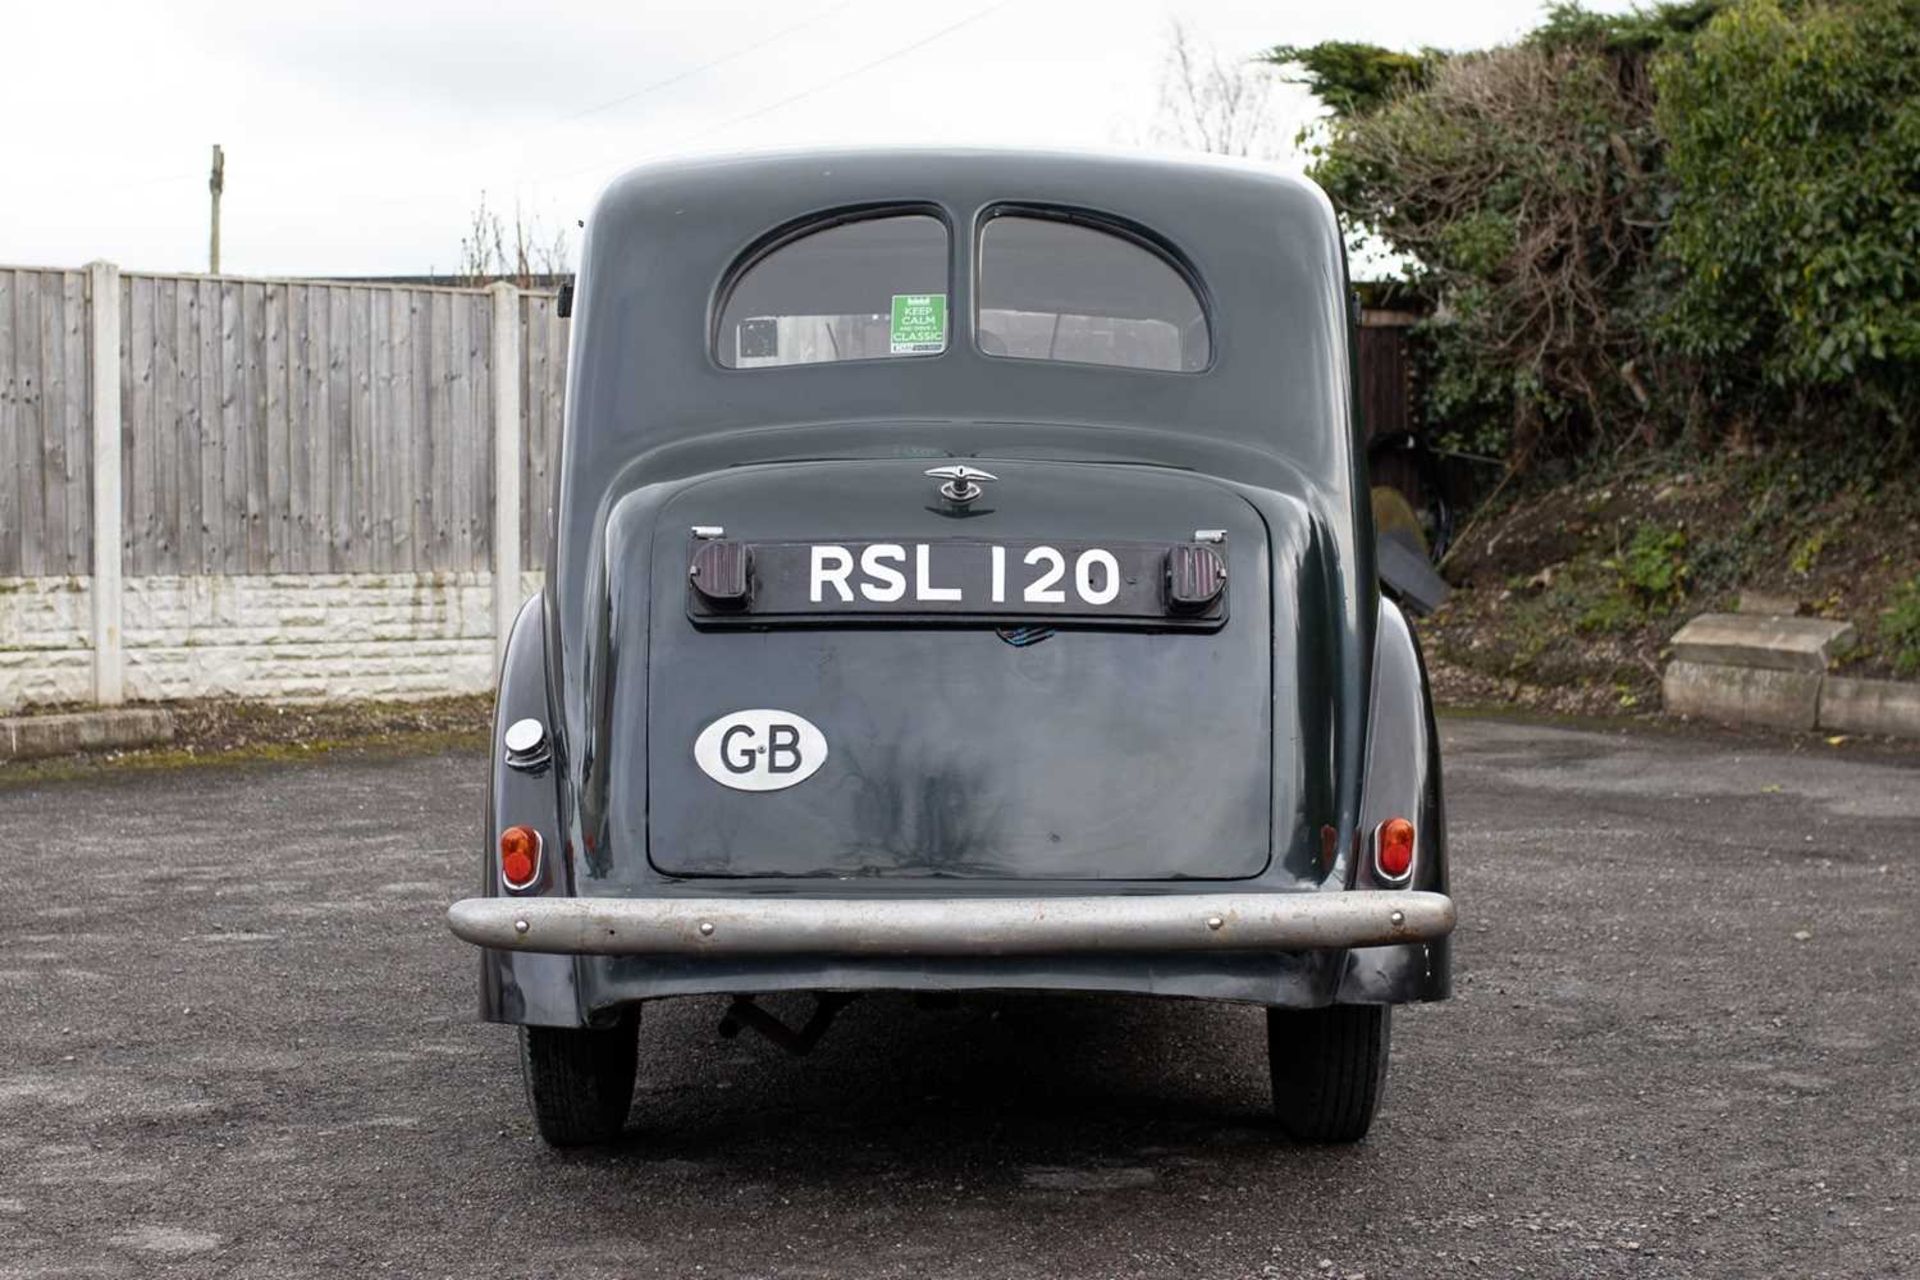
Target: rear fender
522	987
1402	780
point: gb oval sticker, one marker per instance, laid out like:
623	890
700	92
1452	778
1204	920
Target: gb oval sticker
760	750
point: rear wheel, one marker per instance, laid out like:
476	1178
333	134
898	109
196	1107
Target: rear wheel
1329	1067
580	1079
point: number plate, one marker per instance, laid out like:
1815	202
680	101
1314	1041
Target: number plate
955	580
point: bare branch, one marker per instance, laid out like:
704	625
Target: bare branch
1210	104
1489	177
525	254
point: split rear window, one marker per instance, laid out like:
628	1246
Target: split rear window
1047	288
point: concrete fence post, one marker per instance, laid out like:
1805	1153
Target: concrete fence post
103	309
507	446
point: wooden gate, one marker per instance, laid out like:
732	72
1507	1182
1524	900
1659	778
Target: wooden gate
1383	393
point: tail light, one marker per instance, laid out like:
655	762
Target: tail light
519	857
1196	575
1393	850
722	573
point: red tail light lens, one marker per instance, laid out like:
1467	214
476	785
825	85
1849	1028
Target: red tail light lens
519	856
1393	849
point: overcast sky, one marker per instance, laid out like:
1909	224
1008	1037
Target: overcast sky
360	134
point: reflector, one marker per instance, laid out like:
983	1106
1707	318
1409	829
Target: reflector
519	856
1393	849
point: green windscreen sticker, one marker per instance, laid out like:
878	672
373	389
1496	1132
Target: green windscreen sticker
919	323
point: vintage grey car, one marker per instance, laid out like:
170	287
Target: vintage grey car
961	579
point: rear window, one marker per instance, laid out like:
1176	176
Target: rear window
866	290
1057	290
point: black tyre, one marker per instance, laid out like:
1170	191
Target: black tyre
580	1080
1329	1067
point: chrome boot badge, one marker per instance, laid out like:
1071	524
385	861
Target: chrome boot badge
962	483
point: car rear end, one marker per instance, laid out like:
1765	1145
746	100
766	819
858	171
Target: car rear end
825	698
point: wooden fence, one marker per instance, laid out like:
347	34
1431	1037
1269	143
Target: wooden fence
1383	385
543	385
270	426
1384	399
287	434
46	474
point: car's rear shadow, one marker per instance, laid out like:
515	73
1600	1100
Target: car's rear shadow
1069	1092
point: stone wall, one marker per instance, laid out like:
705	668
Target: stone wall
293	637
46	652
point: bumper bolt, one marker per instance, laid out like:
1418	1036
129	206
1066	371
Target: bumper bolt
1215	923
1398	918
706	928
519	926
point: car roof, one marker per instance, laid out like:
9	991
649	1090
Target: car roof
1263	246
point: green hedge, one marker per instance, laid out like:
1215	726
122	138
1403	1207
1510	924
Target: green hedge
1694	218
1793	149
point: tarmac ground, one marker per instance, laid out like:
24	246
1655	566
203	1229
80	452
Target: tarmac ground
236	1039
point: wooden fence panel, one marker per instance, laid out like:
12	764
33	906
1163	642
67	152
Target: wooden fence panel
460	444
230	523
543	382
139	489
279	461
270	426
46	500
206	465
426	506
478	546
301	536
1385	382
398	372
13	452
70	436
267	427
253	425
1385	391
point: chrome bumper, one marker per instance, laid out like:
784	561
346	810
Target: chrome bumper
1311	921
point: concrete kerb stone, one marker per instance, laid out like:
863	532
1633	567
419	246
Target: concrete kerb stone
30	737
1761	640
1771	670
1850	705
1729	694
